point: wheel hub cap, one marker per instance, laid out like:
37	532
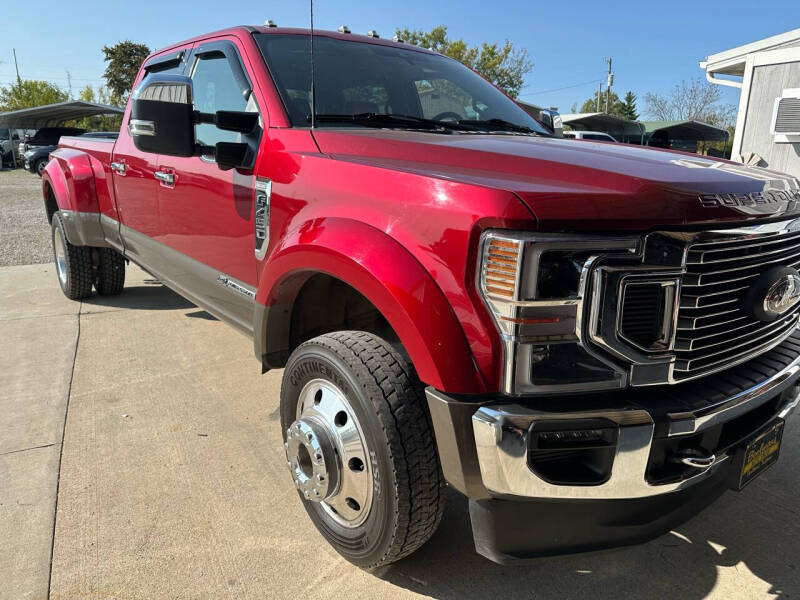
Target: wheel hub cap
327	454
311	459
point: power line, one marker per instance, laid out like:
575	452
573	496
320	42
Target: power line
566	87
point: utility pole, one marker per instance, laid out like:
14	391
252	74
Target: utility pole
16	66
599	95
609	83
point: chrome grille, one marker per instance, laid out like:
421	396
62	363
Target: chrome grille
714	331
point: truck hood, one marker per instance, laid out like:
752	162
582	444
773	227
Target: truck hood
572	184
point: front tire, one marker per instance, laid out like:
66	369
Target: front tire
39	166
73	263
361	448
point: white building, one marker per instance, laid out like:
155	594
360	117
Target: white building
768	123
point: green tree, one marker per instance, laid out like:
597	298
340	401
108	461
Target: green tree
502	64
27	93
614	104
124	59
628	106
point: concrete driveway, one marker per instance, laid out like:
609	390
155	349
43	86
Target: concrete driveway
140	457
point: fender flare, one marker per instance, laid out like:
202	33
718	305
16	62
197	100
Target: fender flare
70	175
387	275
70	179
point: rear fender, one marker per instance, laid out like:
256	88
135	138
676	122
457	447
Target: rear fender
388	276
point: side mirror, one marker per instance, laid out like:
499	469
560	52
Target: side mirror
552	120
162	115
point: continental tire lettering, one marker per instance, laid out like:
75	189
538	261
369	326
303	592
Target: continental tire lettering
320	369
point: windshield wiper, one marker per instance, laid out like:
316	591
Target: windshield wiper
499	125
393	120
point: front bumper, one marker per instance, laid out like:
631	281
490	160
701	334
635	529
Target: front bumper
486	450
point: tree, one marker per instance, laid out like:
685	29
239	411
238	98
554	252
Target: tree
693	100
614	104
97	122
124	59
503	65
628	107
27	93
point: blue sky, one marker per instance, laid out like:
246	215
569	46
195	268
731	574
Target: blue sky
654	44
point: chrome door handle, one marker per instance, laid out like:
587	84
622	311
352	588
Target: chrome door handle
119	167
168	178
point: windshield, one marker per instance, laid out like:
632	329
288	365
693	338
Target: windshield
357	79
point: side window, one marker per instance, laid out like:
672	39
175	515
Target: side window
215	88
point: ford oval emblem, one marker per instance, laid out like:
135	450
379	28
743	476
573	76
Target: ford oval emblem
775	293
783	295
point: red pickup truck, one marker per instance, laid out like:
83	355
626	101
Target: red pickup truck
590	341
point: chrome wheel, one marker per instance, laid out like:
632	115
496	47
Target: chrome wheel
61	257
327	454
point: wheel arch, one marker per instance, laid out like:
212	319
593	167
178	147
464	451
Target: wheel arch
388	277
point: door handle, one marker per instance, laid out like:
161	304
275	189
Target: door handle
166	178
118	167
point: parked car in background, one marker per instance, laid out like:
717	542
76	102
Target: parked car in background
9	140
47	136
36	157
597	136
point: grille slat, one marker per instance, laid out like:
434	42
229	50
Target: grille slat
714	330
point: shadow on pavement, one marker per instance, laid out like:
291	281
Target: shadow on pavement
679	564
151	295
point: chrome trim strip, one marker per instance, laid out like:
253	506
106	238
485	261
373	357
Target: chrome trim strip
686	423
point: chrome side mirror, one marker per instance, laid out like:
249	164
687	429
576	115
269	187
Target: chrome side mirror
162	115
552	120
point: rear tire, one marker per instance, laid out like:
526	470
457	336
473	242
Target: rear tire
73	263
39	166
110	272
381	393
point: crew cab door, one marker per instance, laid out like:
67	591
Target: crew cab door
135	183
206	213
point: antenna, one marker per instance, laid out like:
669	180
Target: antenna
313	91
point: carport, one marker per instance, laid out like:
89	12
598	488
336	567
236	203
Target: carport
683	135
623	130
51	115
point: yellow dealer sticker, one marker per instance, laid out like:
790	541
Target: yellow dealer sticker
761	453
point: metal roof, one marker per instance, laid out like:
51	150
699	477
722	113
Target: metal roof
52	114
611	124
689	130
732	62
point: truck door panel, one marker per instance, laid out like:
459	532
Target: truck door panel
206	213
134	174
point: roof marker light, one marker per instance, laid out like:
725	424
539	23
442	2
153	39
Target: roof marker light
270	23
373	34
398	39
344	29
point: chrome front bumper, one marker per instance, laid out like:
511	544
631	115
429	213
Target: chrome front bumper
500	433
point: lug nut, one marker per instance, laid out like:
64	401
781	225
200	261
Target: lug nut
310	436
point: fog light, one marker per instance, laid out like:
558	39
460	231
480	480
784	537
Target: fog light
575	452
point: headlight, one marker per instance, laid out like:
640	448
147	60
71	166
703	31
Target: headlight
535	287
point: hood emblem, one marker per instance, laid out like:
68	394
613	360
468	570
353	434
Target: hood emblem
768	197
773	294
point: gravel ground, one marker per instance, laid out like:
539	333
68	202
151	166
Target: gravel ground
24	231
